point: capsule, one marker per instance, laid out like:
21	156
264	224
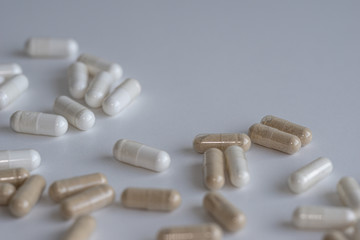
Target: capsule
96	65
348	190
14	176
202	142
87	201
199	232
24	158
27	196
82	228
140	155
78	79
98	89
213	169
9	70
76	114
51	47
12	89
237	166
335	235
7	190
224	212
62	189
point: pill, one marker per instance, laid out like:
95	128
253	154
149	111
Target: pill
78	79
24	158
9	70
12	89
214	169
121	97
76	114
7	190
356	235
98	89
140	155
51	47
335	235
15	176
224	212
199	232
202	142
27	196
96	65
306	177
82	228
64	188
151	199
87	201
348	190
237	166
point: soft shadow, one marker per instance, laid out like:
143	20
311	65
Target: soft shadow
189	150
196	176
287	225
283	187
20	53
202	214
333	199
6	129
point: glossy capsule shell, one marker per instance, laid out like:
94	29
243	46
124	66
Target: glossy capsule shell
195	232
14	176
335	235
140	155
9	70
24	158
7	190
237	166
51	47
82	228
78	79
202	142
214	169
348	190
64	188
309	175
11	89
98	89
77	115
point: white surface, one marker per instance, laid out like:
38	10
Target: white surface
205	66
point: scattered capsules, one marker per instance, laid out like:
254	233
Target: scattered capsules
24	158
14	176
51	47
9	70
199	232
213	169
348	190
7	190
334	235
237	166
202	142
76	114
82	228
140	155
98	89
78	79
12	89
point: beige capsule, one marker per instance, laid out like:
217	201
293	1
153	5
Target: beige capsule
224	212
196	232
82	228
27	196
7	190
15	176
87	201
213	169
273	138
151	199
202	142
64	188
335	235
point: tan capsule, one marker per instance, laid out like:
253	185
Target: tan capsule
202	142
213	169
196	232
335	235
15	176
82	228
151	199
273	138
87	201
224	212
7	190
27	196
62	189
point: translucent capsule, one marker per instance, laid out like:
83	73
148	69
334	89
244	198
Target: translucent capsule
335	235
51	47
27	196
151	199
24	158
237	166
140	155
9	70
62	189
82	228
78	79
76	114
12	89
87	201
14	176
98	89
7	190
202	142
199	232
121	97
214	169
224	212
348	190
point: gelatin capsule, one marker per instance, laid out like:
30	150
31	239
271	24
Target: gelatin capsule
202	142
27	196
140	155
348	190
224	212
12	89
196	232
309	175
9	70
213	169
7	190
76	114
98	89
78	79
237	166
64	188
14	176
51	47
151	199
121	97
273	138
87	201
82	228
335	235
24	158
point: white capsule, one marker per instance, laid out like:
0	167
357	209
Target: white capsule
237	166
24	158
51	47
76	114
9	70
348	190
96	65
11	89
78	80
122	96
140	155
98	89
307	176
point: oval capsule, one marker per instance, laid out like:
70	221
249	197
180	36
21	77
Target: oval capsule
348	190
24	158
12	89
202	142
14	176
7	190
9	70
335	235
51	47
98	89
78	79
237	166
82	228
199	232
213	169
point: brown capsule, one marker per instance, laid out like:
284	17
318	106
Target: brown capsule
87	201
15	176
202	142
213	169
335	235
273	138
7	190
27	196
151	199
82	228
224	212
62	189
196	232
